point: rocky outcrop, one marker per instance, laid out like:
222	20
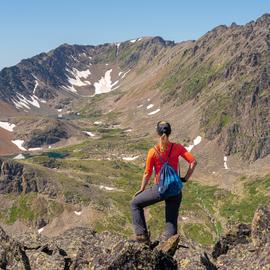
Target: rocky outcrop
260	229
83	248
248	247
49	135
15	178
239	235
12	253
242	247
20	178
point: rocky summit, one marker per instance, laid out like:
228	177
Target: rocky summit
243	247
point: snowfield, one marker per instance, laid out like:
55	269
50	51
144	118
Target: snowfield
77	81
104	85
21	102
7	126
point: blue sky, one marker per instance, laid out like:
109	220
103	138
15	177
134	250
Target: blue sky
29	27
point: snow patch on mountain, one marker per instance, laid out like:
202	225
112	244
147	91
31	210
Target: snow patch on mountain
7	126
40	230
117	50
130	158
107	188
78	75
134	40
19	157
76	60
154	112
150	106
124	75
22	102
196	141
34	149
105	85
89	133
83	74
35	87
225	162
19	144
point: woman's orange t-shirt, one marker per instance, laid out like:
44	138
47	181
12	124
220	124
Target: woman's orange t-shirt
153	159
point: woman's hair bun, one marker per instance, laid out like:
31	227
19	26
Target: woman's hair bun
163	127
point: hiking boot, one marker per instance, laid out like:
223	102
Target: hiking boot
141	238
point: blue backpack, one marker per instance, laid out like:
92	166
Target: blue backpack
169	183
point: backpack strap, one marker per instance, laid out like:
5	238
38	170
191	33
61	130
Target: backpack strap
160	157
170	151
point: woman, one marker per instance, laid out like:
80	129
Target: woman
145	197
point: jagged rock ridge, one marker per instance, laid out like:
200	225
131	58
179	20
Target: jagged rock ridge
244	247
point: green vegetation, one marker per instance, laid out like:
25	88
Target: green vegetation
108	56
217	115
256	194
21	208
184	81
126	55
199	233
30	207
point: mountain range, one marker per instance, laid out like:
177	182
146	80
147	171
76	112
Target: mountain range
76	123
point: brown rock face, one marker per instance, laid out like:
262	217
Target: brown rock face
15	178
19	178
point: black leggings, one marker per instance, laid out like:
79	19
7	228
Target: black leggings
151	196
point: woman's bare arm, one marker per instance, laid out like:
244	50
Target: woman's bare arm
190	170
144	183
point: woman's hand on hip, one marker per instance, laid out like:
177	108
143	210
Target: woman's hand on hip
137	193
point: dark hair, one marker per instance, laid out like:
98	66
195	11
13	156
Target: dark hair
163	127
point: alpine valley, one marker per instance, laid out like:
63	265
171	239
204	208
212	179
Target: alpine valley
75	127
